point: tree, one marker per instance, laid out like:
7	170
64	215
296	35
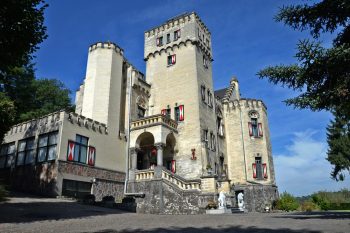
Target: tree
7	114
21	30
49	95
322	75
338	137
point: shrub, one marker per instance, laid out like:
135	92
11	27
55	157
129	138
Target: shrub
287	202
308	206
3	193
321	200
108	199
89	199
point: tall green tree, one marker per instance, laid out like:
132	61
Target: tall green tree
22	29
49	95
321	75
338	138
7	114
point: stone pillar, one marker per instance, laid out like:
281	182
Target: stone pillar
160	147
133	156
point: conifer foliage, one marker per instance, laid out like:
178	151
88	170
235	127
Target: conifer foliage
321	75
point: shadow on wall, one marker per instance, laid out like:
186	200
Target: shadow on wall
25	212
234	229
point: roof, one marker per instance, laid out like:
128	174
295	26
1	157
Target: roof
220	93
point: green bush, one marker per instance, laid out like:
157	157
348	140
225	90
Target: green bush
322	200
3	193
308	206
287	202
339	206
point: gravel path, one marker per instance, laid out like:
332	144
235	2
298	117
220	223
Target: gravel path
33	214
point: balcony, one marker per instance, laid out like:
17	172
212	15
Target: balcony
154	121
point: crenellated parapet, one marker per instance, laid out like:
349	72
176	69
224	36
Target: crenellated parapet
88	123
106	45
244	103
48	120
178	45
192	29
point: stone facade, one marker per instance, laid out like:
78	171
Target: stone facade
187	142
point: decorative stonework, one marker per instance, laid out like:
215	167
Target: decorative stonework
88	171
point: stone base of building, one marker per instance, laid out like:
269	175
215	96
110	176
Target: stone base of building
60	178
162	197
256	196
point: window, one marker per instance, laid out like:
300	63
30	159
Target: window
160	41
7	155
25	152
212	141
255	128
220	126
203	93
179	113
177	34
205	62
140	111
168	113
199	34
168	38
207	41
47	147
205	137
80	149
257	168
210	99
171	60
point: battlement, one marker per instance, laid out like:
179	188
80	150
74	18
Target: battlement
177	20
106	45
245	103
49	119
86	122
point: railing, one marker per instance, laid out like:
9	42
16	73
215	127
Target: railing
180	182
154	120
144	175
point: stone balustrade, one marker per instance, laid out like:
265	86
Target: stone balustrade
154	120
181	183
144	175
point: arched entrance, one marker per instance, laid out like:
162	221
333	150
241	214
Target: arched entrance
146	151
169	152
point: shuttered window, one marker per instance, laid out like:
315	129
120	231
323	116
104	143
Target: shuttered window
171	60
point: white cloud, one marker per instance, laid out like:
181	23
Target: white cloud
303	168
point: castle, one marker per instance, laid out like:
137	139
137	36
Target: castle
166	138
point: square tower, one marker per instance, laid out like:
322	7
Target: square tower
178	59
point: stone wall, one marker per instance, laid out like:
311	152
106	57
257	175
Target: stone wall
104	188
108	183
38	179
162	197
257	197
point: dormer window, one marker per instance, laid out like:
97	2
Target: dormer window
177	34
160	41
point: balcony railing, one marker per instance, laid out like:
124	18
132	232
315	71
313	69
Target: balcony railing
152	121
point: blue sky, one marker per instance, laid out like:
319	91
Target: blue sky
245	39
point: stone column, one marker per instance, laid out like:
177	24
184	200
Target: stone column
160	147
133	167
133	156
